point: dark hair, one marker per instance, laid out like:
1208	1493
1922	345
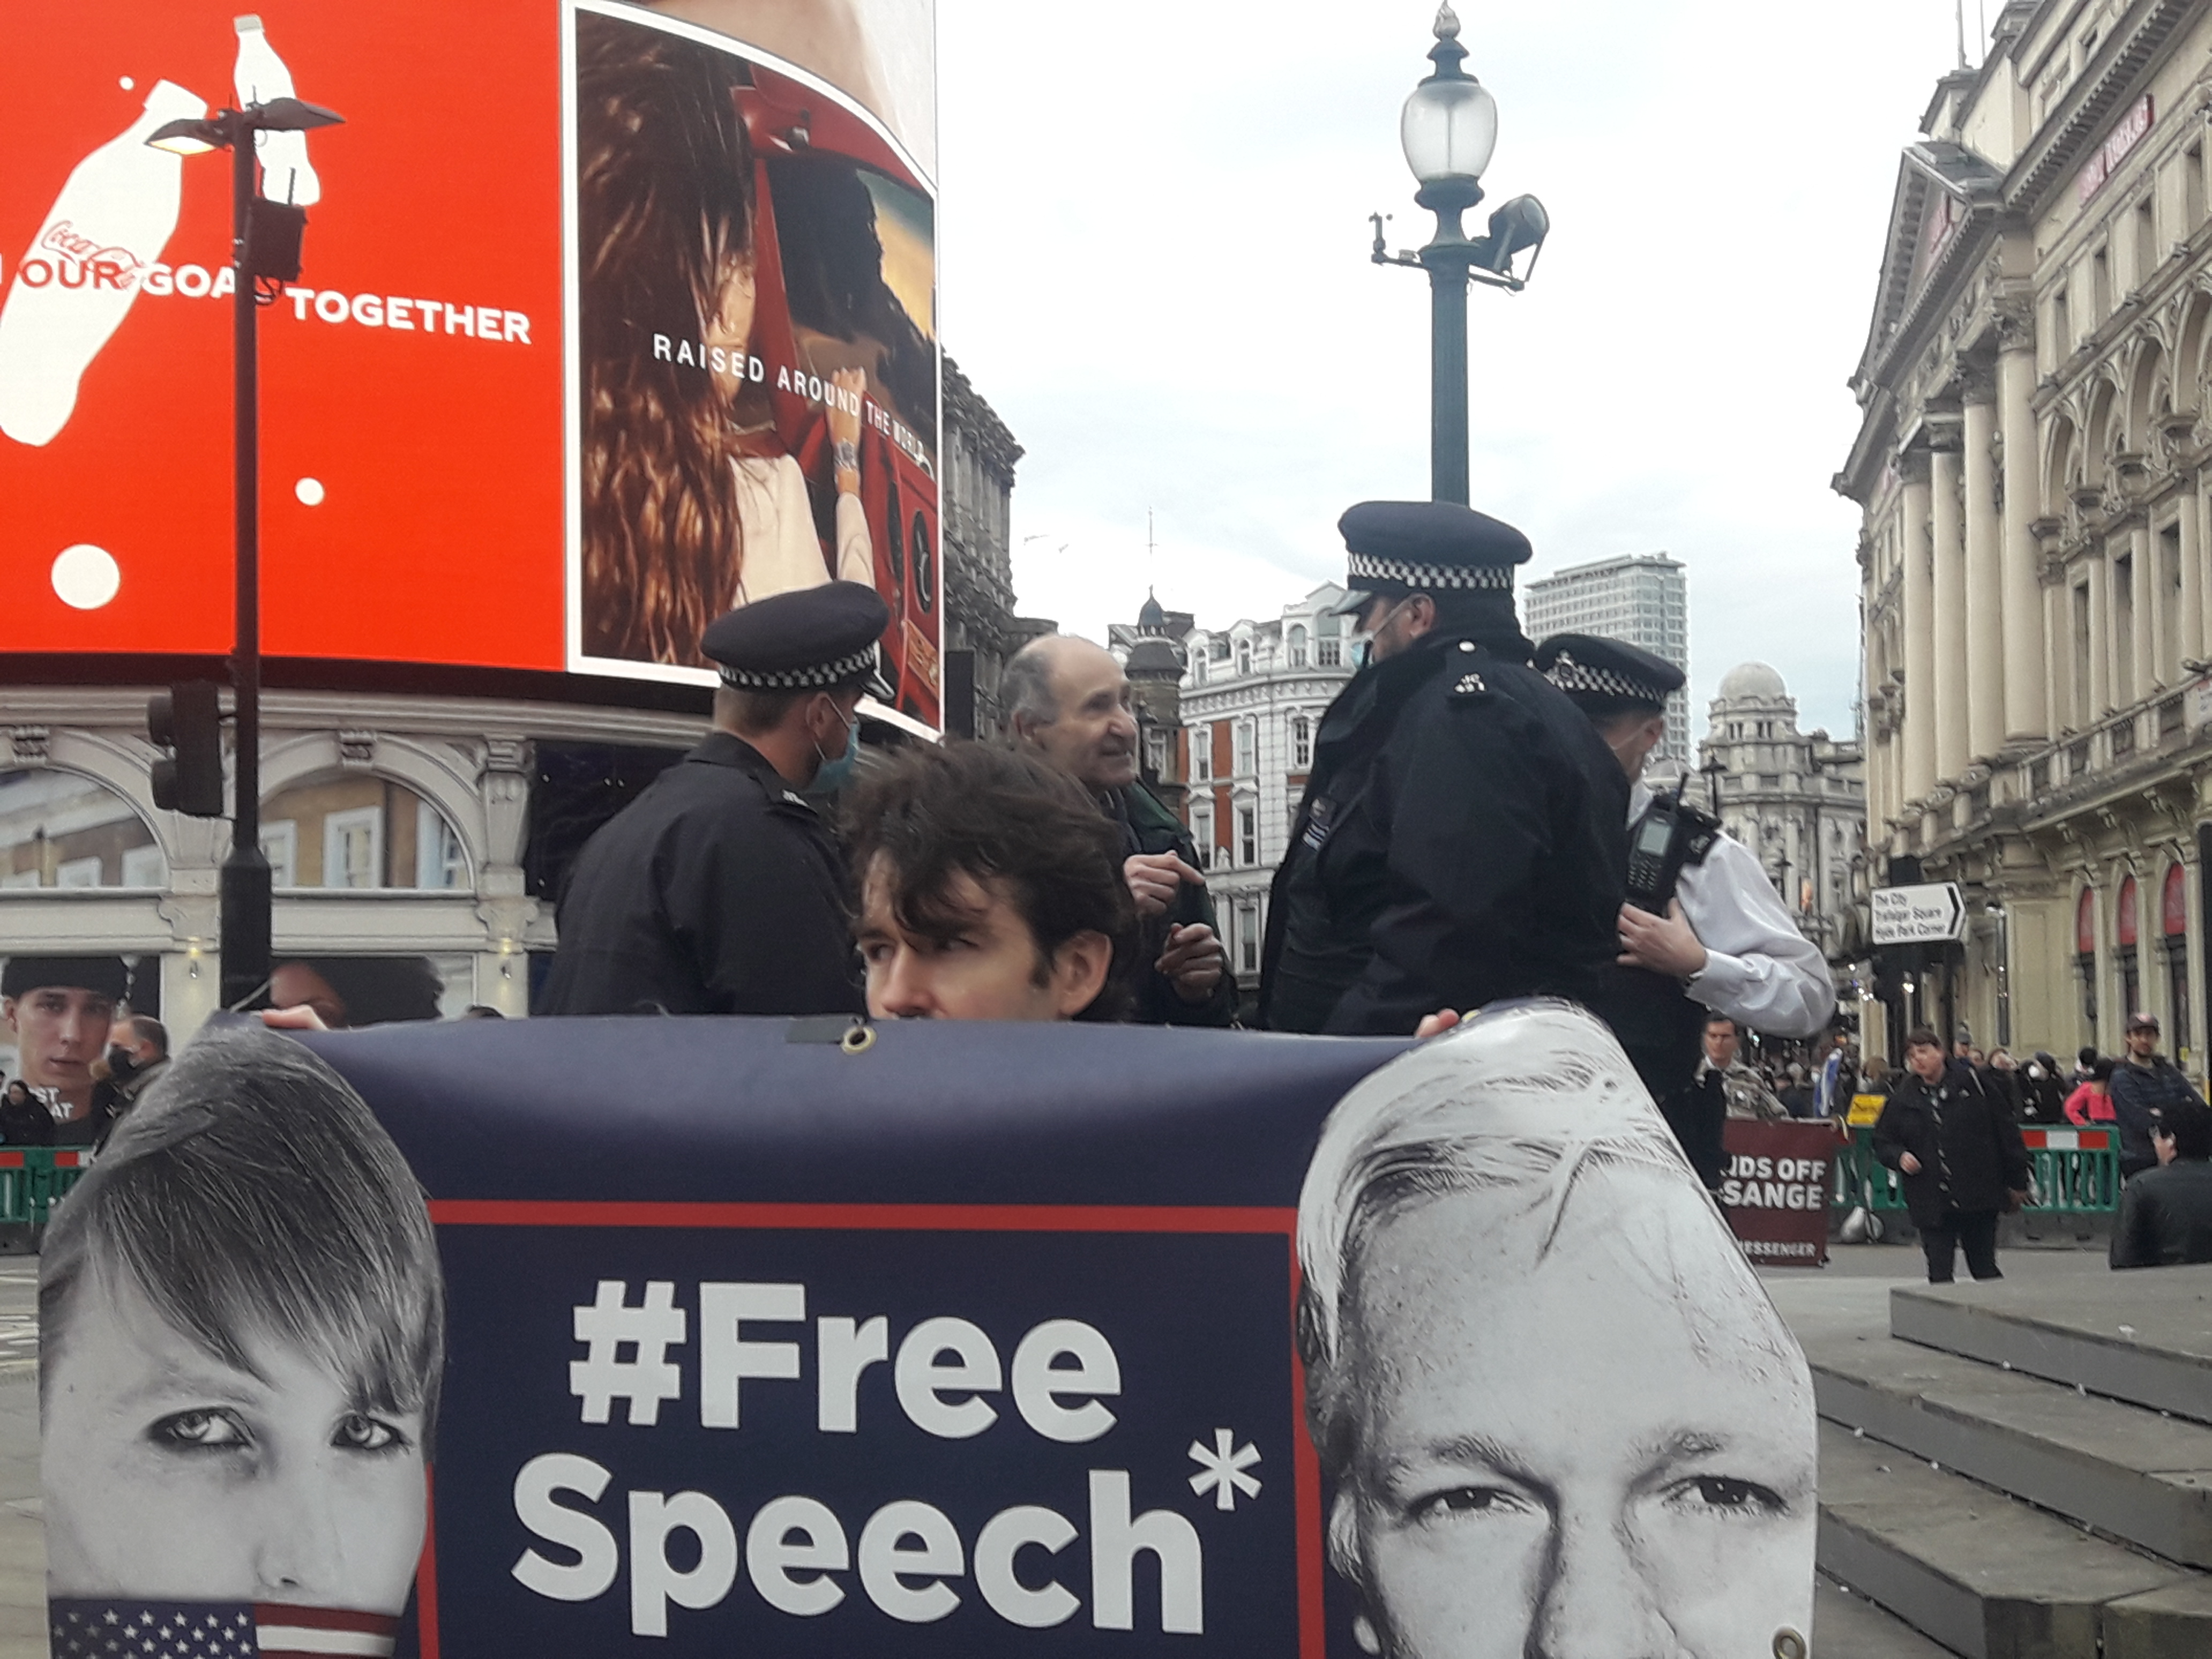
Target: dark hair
664	219
932	813
1923	1036
2087	1056
2100	1070
2191	1126
150	1029
15	1083
250	1194
379	990
1715	1017
1601	708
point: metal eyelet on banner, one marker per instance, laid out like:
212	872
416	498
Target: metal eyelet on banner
1788	1645
859	1040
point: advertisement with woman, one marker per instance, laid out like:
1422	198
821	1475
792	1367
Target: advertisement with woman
756	370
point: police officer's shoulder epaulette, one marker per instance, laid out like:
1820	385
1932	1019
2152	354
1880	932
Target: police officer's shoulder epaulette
1467	682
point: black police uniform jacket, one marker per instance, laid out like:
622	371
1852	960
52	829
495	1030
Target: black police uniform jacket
719	890
1963	1138
1462	838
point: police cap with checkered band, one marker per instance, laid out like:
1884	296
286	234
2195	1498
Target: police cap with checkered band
1587	666
1396	548
813	639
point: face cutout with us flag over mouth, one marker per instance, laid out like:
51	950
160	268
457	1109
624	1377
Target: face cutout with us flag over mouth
212	1629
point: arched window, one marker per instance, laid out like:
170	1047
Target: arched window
1298	647
62	829
1243	658
362	832
2125	922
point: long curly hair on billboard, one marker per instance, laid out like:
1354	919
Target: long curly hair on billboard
665	217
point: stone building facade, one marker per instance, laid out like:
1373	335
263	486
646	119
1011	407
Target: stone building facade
981	628
2034	466
1253	696
1798	800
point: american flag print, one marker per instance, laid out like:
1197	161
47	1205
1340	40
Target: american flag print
214	1630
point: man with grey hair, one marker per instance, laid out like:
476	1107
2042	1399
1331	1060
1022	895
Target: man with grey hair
1549	1391
1069	702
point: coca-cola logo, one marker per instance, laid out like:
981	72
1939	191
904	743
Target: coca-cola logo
62	238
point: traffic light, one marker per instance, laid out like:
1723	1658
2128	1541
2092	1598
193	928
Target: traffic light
187	720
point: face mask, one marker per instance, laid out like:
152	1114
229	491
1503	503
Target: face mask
837	771
1362	644
120	1063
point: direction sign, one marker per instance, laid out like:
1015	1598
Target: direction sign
1918	915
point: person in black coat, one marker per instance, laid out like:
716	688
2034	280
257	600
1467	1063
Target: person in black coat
1960	1153
1463	836
2166	1213
719	890
24	1118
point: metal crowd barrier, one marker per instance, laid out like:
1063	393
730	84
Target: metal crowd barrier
2072	1172
33	1177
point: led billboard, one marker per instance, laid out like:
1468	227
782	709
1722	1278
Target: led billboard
612	317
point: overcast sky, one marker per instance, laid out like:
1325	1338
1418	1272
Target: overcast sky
1153	263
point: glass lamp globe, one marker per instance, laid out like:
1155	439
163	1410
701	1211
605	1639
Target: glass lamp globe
1448	129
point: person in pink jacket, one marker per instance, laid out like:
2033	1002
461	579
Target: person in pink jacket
2091	1104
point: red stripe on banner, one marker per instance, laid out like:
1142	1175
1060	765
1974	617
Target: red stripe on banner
11	1160
68	1160
426	1574
1313	1636
2096	1140
372	1624
867	1218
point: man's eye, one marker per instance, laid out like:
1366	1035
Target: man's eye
358	1432
1470	1501
200	1430
1728	1495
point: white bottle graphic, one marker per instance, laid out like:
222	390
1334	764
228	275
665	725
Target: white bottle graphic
261	75
79	278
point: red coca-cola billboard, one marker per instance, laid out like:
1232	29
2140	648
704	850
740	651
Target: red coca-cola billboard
511	417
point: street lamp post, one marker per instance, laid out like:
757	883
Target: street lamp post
1448	129
264	246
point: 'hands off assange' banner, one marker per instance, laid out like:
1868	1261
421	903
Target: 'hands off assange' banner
722	1335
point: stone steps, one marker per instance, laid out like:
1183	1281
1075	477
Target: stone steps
2144	1336
2119	1468
1846	1626
1988	1577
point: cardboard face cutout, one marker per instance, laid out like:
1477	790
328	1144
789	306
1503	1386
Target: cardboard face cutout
1558	1411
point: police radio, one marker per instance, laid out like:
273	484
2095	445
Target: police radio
1671	834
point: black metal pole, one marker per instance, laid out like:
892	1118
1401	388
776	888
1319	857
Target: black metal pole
1448	437
247	891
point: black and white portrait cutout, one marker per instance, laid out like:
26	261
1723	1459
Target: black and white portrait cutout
243	1331
1560	1414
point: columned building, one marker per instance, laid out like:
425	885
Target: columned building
1253	696
981	628
1796	799
1641	599
2033	466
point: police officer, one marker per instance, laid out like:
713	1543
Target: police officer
719	890
1461	837
1703	928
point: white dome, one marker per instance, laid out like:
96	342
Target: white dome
1754	682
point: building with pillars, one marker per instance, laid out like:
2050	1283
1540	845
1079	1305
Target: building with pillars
1798	800
2032	465
981	628
1253	696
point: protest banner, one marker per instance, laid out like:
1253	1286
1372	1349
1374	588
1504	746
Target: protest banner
1775	1189
800	1339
